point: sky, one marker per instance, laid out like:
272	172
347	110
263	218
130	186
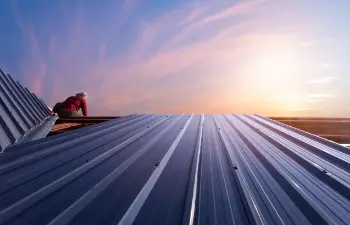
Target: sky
271	57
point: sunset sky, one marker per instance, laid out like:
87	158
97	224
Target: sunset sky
272	57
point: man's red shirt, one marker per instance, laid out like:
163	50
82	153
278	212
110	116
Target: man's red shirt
75	103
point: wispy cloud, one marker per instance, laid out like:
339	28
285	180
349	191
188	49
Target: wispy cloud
147	75
149	68
323	80
242	7
127	7
171	63
35	66
194	14
131	4
327	65
325	95
307	44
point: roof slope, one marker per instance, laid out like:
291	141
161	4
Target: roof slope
177	169
20	111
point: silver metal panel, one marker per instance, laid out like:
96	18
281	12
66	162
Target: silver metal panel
43	109
26	94
22	98
21	112
15	95
177	169
8	98
41	102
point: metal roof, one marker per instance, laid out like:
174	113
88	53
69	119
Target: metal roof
177	169
20	111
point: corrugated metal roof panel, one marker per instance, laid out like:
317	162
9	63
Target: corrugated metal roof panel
172	169
20	111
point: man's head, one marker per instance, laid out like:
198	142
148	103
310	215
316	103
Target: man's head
83	95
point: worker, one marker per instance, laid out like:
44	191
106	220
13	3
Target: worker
72	105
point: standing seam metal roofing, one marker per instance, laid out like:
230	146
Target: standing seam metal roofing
20	111
177	169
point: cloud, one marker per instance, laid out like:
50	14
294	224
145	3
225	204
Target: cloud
130	4
323	80
323	95
166	65
17	16
242	7
102	51
327	65
194	14
307	44
127	7
189	75
35	66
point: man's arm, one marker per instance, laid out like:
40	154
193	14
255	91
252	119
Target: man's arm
84	108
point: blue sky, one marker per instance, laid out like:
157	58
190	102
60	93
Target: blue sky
270	57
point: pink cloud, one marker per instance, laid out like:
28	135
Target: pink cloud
242	7
129	5
35	67
311	43
200	59
128	87
194	14
17	17
122	12
159	72
102	51
38	82
52	46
